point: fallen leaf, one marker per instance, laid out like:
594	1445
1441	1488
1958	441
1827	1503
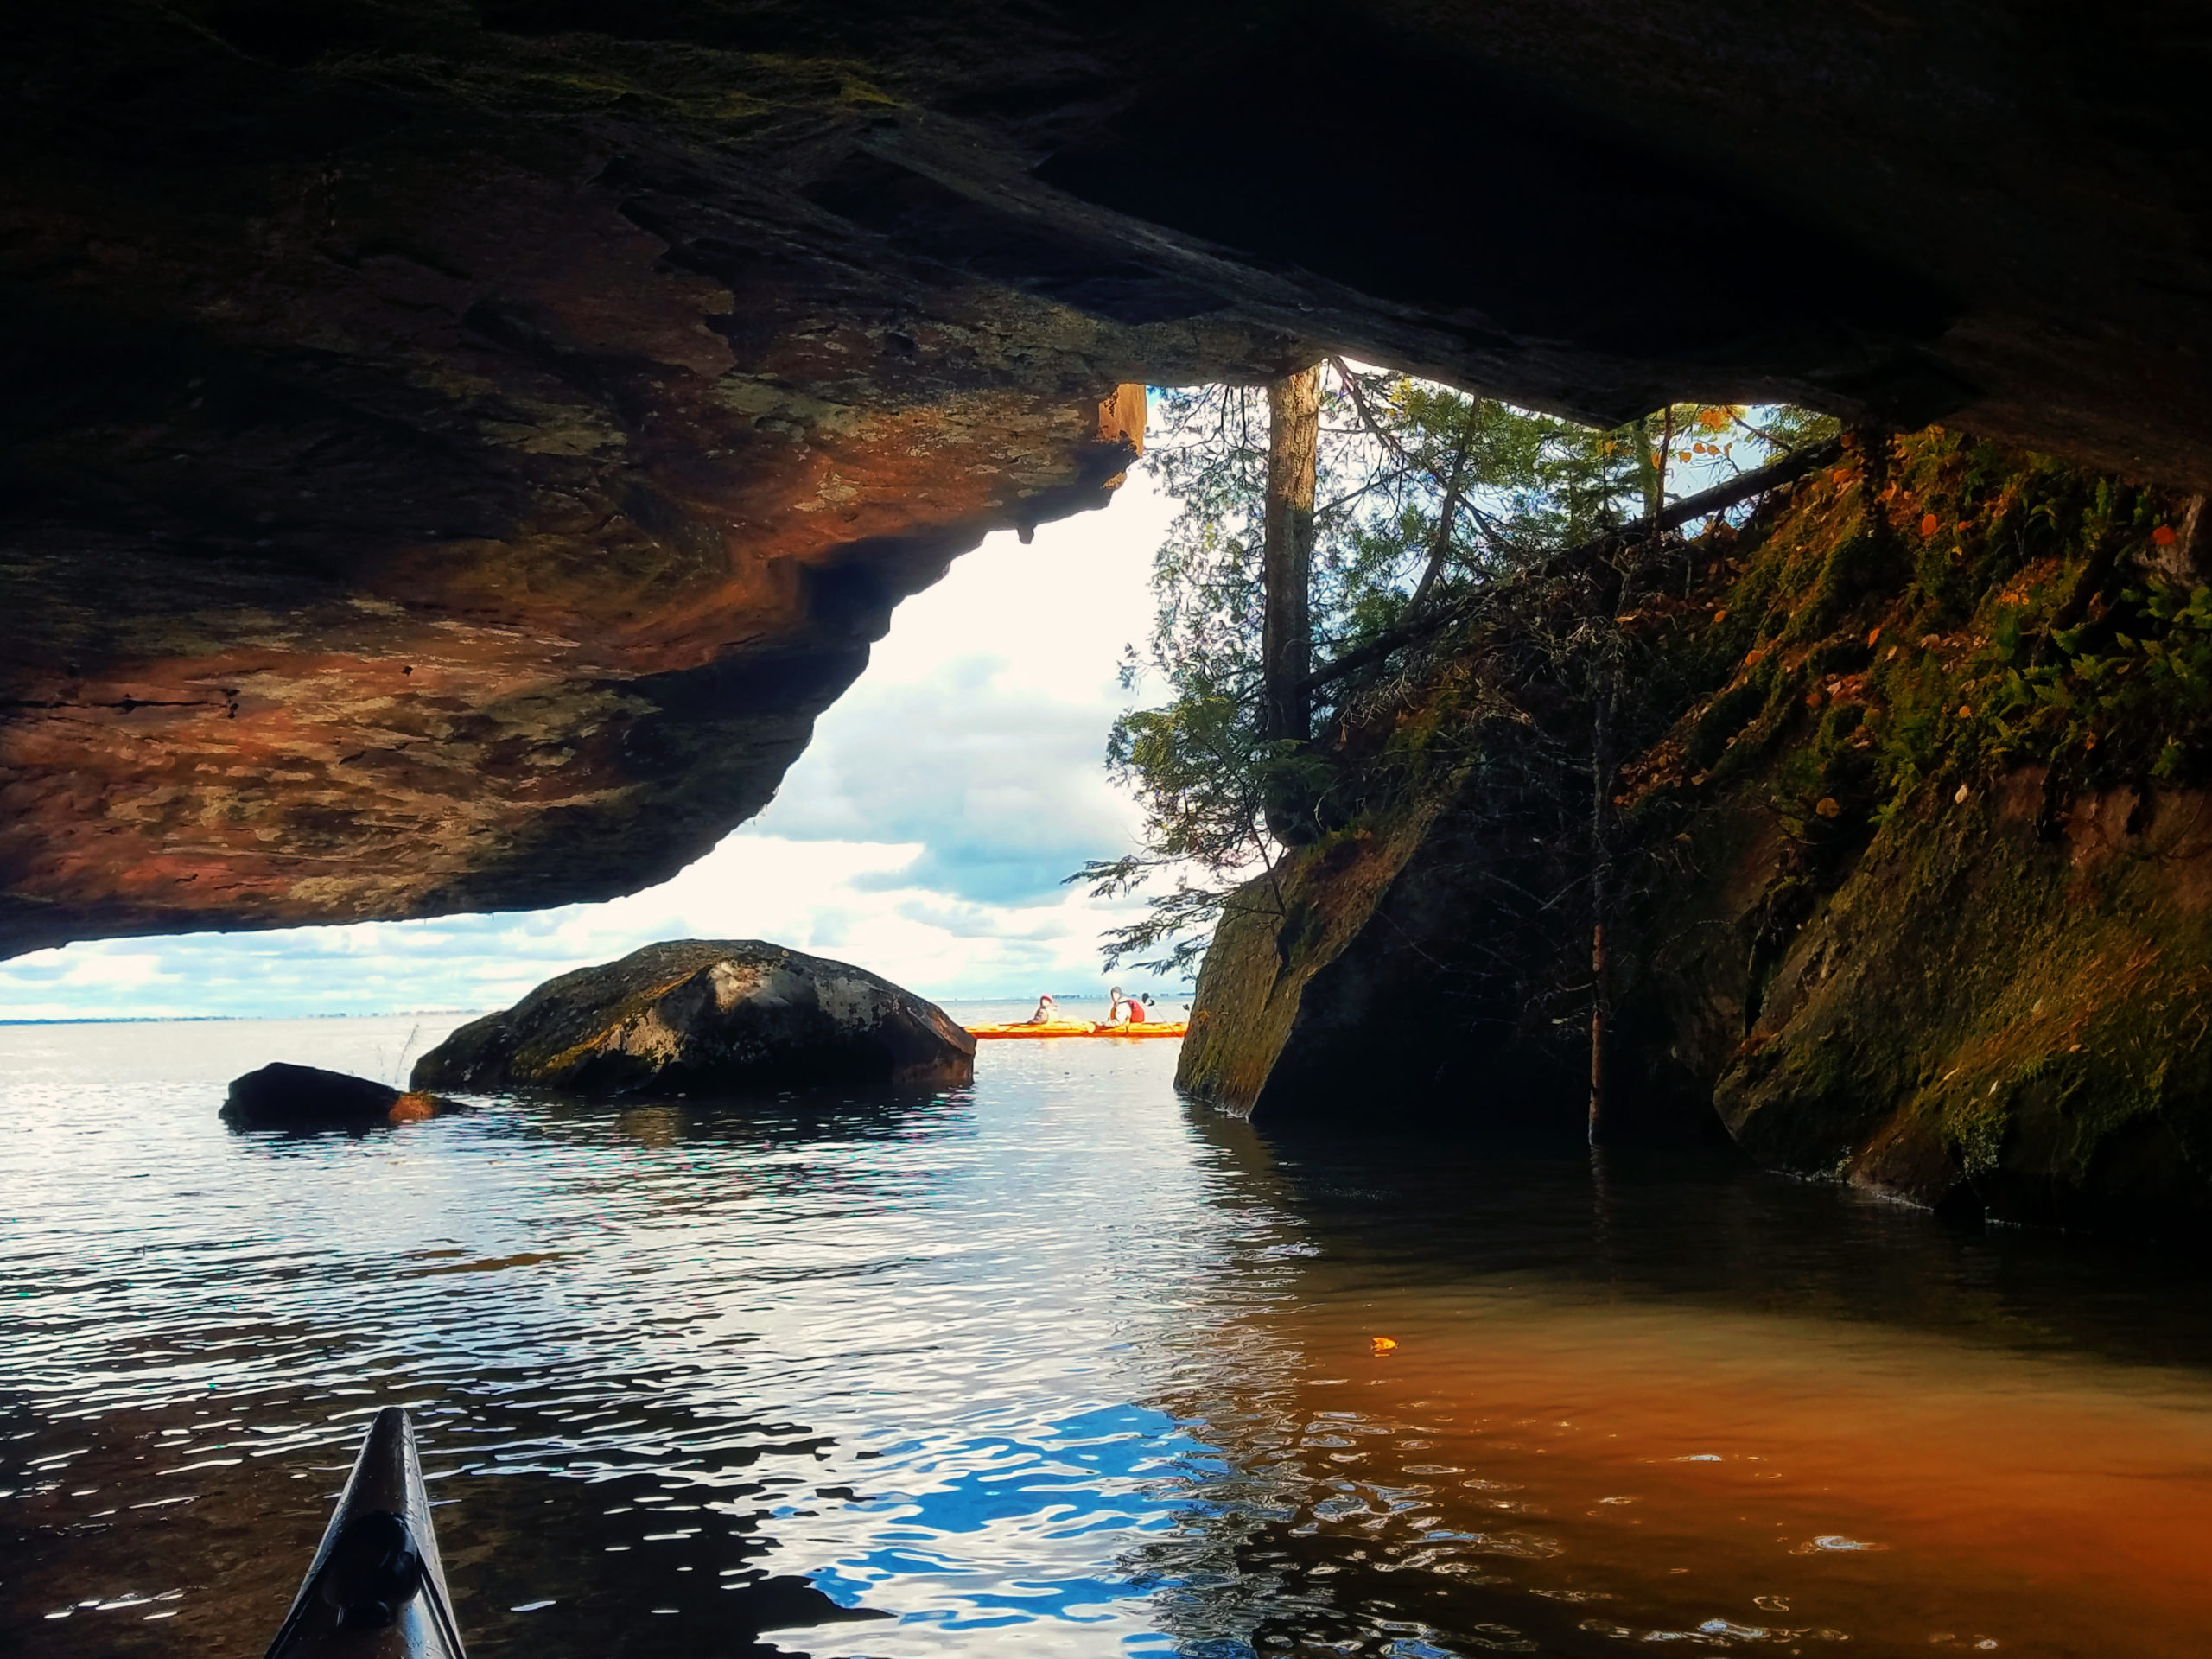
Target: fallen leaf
1872	638
1960	797
1966	711
1384	1345
1828	807
2090	742
2161	536
1721	615
1928	524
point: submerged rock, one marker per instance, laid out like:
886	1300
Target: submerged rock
705	1016
284	1095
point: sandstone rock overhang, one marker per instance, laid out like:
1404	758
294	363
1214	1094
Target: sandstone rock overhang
454	451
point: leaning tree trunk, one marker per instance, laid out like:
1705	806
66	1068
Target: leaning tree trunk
1287	563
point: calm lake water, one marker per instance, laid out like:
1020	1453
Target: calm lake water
1054	1365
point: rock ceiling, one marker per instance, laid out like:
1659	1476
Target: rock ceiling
453	452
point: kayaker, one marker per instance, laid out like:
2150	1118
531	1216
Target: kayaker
1046	1013
1124	1010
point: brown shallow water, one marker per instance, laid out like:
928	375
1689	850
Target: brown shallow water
1059	1365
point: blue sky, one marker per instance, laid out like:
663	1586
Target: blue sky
923	834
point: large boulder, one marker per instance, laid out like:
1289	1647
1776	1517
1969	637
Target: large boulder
705	1016
284	1095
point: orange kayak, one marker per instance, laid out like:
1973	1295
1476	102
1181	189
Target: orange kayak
1076	1028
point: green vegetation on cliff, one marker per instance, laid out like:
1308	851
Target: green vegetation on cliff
1950	610
1913	848
1970	707
1430	506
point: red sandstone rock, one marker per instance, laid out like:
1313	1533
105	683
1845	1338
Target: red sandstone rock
452	454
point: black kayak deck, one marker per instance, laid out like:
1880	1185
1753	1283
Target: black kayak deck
376	1588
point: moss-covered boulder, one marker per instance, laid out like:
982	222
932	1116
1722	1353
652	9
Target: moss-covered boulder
1286	1010
1378	979
706	1017
1341	989
1982	1014
1911	884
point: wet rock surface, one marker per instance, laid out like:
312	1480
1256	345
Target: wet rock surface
706	1017
284	1095
1383	990
453	453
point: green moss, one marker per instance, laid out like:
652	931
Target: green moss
1997	607
1932	960
1727	714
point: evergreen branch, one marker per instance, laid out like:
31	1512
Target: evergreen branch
1787	470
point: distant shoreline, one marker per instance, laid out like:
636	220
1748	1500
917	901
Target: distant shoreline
231	1019
432	1013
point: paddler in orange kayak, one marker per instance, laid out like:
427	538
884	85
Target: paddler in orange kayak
1124	1010
1047	1012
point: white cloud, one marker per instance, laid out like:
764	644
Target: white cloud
923	834
121	970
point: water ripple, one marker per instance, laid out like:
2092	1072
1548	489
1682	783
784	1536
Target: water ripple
1053	1364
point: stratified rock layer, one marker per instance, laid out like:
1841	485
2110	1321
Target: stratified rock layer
453	452
706	1017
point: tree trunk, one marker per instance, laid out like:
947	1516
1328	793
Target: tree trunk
1439	544
1286	563
1601	987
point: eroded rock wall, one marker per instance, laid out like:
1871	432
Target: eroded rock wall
413	507
451	451
1989	1015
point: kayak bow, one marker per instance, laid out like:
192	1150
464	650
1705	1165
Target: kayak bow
376	1589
